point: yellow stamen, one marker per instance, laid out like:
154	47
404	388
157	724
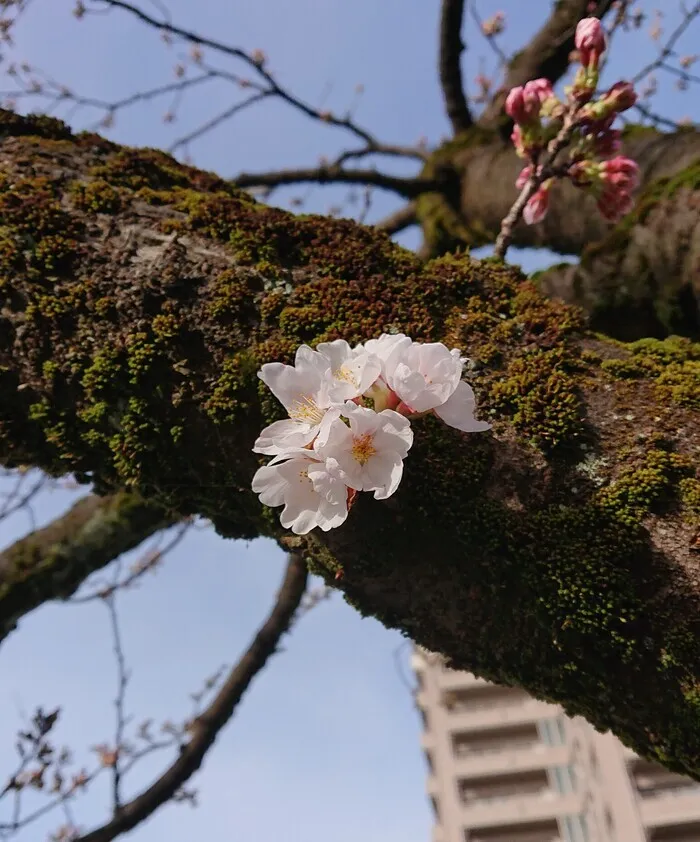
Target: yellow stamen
306	410
363	448
345	373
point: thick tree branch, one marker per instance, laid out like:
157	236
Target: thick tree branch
451	47
207	726
404	186
547	54
52	562
571	527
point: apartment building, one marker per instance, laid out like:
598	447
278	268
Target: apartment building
504	767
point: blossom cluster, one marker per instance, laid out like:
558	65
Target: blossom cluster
348	428
593	161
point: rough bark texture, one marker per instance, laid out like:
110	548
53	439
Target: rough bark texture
631	282
559	552
52	562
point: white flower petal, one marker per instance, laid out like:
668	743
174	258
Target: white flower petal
269	486
458	411
282	435
386	470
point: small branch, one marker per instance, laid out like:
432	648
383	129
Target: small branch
398	221
56	559
451	48
207	726
254	64
119	703
490	39
540	173
407	187
667	50
216	121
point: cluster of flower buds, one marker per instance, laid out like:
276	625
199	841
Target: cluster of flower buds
348	428
593	162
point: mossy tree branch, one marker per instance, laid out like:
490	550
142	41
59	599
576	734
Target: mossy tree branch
648	263
52	562
139	298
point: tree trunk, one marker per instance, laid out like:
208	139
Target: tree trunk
632	282
558	552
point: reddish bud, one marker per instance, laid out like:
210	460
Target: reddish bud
620	97
590	41
620	172
523	178
536	208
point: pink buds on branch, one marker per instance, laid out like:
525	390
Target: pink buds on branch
545	127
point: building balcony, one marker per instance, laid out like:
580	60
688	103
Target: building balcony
455	680
671	807
512	810
526	758
491	716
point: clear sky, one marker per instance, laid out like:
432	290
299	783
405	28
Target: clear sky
326	744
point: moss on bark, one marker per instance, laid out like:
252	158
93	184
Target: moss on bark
556	552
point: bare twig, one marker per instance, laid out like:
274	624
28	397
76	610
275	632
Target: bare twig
208	724
667	50
330	174
119	702
451	47
491	40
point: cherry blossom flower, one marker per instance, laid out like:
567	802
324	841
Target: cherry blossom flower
428	377
370	452
353	371
303	390
313	495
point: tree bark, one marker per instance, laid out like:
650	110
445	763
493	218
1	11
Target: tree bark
558	552
51	563
632	282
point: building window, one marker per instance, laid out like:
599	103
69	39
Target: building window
552	731
563	779
574	829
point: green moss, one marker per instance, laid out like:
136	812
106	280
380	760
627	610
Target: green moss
97	196
673	364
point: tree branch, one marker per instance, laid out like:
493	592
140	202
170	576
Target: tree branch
52	562
572	526
407	187
207	726
547	55
403	218
255	64
451	47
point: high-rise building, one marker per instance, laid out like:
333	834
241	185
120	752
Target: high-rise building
504	767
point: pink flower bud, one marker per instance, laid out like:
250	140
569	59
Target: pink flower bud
516	107
590	41
614	204
539	88
620	97
620	172
536	208
522	179
523	103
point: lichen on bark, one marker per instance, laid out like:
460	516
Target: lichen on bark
555	552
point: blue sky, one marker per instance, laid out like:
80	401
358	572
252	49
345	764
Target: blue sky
326	744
